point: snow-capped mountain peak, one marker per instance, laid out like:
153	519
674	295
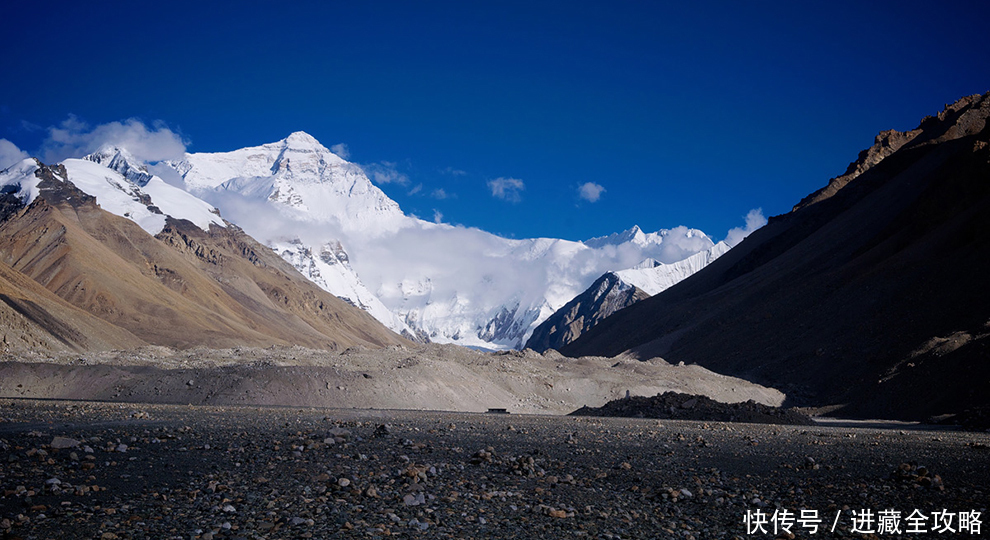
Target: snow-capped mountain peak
654	277
450	284
302	140
310	158
300	178
19	180
120	160
635	236
133	192
614	239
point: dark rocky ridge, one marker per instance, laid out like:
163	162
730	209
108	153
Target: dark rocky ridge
604	297
871	295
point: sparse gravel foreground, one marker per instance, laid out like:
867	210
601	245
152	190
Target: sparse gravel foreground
112	471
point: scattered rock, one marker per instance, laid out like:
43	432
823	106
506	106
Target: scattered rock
59	443
917	475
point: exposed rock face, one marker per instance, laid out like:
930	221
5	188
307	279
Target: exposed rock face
841	300
183	288
885	144
605	296
614	291
965	117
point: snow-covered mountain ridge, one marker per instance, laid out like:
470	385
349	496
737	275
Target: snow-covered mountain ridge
121	186
322	214
654	276
440	282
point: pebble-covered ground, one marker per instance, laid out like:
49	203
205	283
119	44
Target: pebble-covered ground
111	471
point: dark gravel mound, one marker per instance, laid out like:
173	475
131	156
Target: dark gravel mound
972	419
675	406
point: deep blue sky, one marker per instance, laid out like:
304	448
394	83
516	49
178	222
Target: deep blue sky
685	114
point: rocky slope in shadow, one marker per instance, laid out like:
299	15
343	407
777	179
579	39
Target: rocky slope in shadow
871	294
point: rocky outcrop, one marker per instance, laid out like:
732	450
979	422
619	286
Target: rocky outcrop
605	296
965	117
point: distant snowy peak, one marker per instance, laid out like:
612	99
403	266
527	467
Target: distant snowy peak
614	291
302	177
112	191
614	239
604	297
120	160
120	186
637	237
654	277
20	181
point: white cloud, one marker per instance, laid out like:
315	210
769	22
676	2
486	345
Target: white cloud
454	172
341	150
754	220
168	174
591	191
31	127
507	189
75	138
416	189
385	173
10	154
440	194
437	216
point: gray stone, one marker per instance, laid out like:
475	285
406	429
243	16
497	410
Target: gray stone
59	443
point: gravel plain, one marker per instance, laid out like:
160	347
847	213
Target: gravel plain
428	377
132	471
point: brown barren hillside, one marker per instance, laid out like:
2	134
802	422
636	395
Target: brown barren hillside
872	294
187	287
33	317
